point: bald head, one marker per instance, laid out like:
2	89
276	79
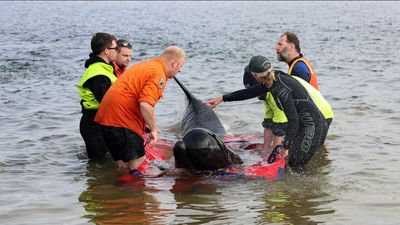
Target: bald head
174	58
173	53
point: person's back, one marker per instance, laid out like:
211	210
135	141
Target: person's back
301	91
307	125
307	112
123	98
127	109
275	121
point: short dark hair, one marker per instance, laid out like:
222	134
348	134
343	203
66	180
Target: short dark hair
101	41
292	38
121	43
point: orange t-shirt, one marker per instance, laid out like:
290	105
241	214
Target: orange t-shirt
117	70
142	82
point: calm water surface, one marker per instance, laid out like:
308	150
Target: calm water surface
45	174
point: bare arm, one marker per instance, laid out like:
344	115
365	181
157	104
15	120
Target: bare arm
147	111
214	102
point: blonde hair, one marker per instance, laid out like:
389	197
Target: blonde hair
270	78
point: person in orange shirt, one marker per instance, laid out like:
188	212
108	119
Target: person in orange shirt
128	106
124	57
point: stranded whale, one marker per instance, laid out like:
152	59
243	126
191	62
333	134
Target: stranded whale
202	147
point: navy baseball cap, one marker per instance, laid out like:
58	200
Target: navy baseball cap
248	80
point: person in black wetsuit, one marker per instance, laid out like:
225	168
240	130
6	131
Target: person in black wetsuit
308	113
287	50
92	87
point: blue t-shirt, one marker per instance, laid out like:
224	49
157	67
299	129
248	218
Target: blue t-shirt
301	70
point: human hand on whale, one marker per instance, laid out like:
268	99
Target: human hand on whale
214	102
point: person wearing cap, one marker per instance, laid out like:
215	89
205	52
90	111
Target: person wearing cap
124	57
288	50
308	114
275	120
92	86
128	107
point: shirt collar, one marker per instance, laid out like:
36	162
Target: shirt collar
295	58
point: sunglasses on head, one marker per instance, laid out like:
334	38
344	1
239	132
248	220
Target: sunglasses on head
124	44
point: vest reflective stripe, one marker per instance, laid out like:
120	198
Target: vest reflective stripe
99	68
272	111
313	75
323	106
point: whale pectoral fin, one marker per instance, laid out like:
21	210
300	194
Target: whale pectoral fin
272	156
231	155
235	158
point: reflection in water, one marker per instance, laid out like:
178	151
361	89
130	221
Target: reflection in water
301	198
42	167
180	197
144	201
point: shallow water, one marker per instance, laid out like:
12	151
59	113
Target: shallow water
47	179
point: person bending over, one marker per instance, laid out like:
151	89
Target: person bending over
308	114
128	106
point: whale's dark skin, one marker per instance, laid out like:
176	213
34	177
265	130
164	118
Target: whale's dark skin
202	148
199	115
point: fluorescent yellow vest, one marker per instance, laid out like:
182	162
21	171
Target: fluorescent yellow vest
95	69
323	106
272	111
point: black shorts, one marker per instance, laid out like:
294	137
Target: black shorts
123	143
278	129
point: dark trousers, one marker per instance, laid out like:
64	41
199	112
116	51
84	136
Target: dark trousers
90	130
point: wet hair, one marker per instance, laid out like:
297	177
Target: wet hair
292	38
101	41
121	43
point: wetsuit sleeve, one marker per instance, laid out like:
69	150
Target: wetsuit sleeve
98	85
244	94
285	102
300	69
